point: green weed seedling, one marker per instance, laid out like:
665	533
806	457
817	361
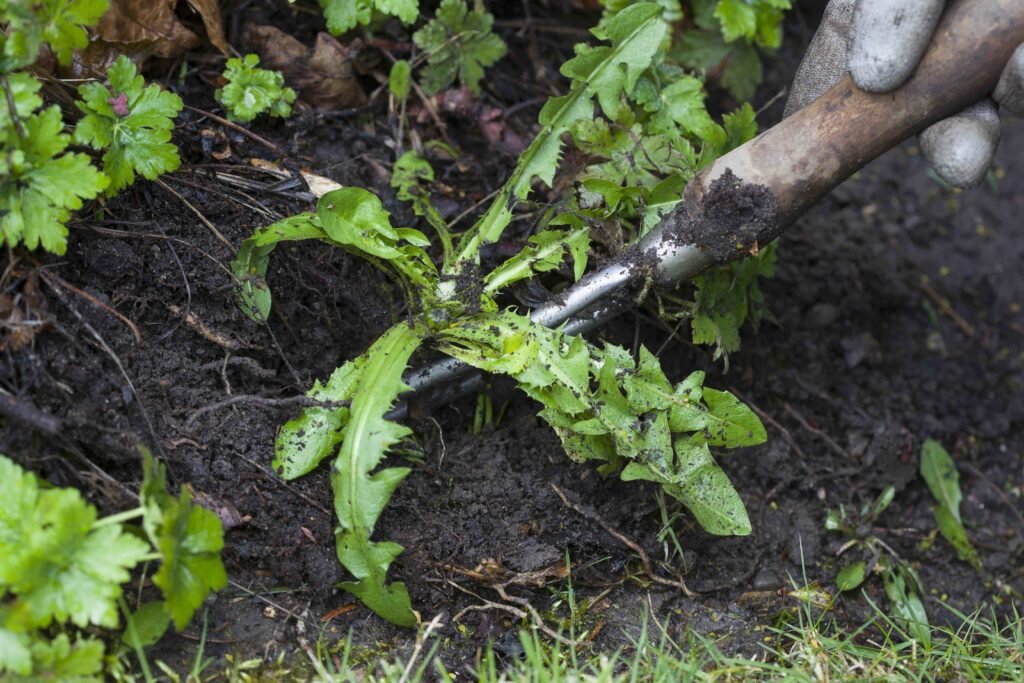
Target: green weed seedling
627	100
41	183
459	45
939	471
62	568
900	580
251	91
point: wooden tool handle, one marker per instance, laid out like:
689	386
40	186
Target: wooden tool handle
748	196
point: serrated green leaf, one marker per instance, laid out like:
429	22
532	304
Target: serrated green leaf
543	253
743	71
62	661
24	94
251	91
459	45
40	186
359	496
132	123
738	19
55	561
189	539
345	15
304	442
851	576
601	73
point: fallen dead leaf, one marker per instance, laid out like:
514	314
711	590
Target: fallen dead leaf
324	75
141	28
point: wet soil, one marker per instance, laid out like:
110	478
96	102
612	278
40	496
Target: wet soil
897	317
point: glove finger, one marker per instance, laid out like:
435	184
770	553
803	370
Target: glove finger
824	63
961	148
887	40
1009	92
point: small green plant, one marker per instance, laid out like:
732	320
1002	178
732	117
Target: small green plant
251	91
459	45
62	569
728	37
902	585
345	15
40	182
604	404
131	123
939	472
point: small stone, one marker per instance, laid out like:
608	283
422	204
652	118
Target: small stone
767	580
822	315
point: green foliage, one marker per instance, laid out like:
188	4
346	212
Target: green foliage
345	15
40	184
59	23
459	45
132	122
604	406
728	37
939	472
727	297
901	583
600	73
251	91
62	565
645	123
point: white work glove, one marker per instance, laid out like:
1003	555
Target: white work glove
879	43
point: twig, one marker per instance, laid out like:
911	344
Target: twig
43	422
814	430
193	321
234	126
302	400
421	639
645	559
947	309
205	221
515	611
57	282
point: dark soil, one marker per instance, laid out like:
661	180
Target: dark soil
897	317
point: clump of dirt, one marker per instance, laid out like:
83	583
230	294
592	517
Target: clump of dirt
727	222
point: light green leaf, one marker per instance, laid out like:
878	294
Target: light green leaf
706	491
851	576
251	91
905	604
400	79
731	423
62	661
543	253
603	73
150	622
939	472
15	653
738	19
359	496
132	123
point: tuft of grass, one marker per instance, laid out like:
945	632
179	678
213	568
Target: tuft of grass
810	648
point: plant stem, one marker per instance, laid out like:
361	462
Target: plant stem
125	516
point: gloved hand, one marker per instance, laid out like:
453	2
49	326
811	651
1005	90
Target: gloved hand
879	42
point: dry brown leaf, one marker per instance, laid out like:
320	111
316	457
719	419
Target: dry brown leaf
324	75
141	28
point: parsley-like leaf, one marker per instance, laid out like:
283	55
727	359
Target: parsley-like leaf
132	122
345	15
252	91
40	186
459	45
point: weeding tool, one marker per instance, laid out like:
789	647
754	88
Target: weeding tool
746	198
